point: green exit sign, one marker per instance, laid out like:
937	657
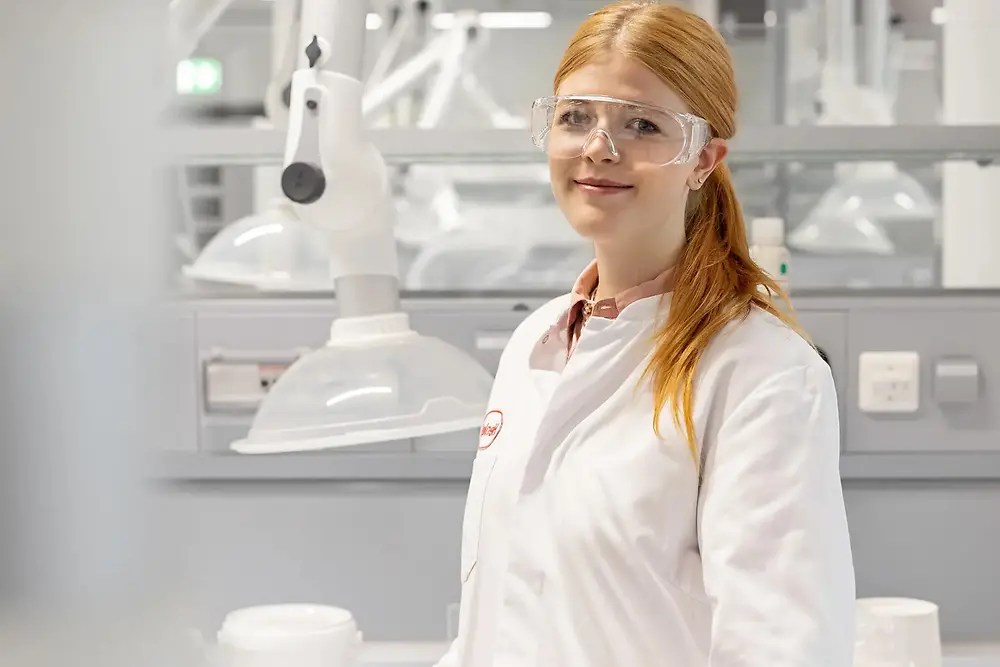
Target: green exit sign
199	76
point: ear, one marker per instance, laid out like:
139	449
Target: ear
711	155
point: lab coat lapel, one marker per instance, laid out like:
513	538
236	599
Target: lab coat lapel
601	365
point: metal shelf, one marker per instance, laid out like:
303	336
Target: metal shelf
249	146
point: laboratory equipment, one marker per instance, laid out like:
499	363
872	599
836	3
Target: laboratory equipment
767	248
303	635
873	207
270	251
375	379
230	259
897	632
452	53
525	245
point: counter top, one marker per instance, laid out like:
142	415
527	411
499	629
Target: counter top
425	654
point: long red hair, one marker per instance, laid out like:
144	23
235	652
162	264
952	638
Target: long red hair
716	281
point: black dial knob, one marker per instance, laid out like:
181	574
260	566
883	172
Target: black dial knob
313	51
302	182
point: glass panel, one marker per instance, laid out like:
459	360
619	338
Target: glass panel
870	62
851	225
489	228
793	63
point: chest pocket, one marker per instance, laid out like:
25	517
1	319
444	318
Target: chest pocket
472	524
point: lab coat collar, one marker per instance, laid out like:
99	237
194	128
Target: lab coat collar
556	345
611	307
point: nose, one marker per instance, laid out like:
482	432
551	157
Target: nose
600	147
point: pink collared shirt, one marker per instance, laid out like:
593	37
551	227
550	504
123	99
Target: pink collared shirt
566	330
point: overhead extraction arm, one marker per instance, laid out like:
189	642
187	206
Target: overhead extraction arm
333	174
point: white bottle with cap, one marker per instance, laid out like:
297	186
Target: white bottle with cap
767	248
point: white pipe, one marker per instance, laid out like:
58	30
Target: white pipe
482	99
340	26
406	76
398	35
970	231
840	43
284	18
407	108
284	55
875	26
444	84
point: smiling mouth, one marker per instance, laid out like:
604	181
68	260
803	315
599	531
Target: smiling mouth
601	185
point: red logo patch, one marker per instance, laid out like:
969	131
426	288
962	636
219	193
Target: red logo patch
491	428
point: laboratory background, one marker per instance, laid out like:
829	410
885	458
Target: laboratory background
235	398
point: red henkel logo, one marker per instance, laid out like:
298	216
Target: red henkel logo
491	428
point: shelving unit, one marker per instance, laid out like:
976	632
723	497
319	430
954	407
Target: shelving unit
222	145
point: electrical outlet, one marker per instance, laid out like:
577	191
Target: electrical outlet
239	386
889	382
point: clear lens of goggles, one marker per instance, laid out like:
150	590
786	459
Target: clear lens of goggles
567	127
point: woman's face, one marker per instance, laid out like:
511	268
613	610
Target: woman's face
623	198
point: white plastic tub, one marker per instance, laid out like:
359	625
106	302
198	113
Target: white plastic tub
292	634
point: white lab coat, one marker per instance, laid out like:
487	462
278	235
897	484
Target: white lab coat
589	542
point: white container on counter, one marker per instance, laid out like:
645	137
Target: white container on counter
897	632
302	635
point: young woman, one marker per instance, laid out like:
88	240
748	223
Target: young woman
657	480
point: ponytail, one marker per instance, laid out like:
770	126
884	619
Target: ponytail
717	283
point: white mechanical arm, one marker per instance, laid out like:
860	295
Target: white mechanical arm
333	174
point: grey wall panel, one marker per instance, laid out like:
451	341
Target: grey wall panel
389	553
264	328
931	540
934	333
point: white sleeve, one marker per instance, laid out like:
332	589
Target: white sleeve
773	529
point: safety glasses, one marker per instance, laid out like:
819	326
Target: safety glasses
567	127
